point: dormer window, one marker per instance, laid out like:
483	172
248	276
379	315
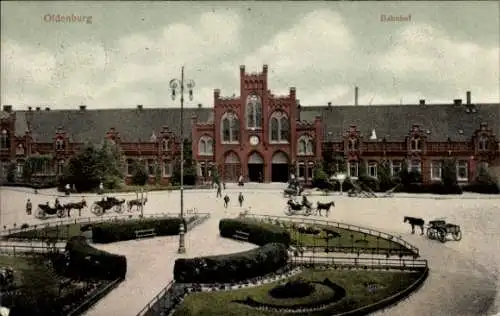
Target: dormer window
483	143
415	144
4	140
353	144
59	144
165	145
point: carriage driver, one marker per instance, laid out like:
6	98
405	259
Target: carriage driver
29	207
306	203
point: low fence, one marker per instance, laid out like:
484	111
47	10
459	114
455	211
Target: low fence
361	263
30	250
164	301
94	298
81	221
334	224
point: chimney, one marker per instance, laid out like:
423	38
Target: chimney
83	107
356	95
139	107
329	104
47	109
7	108
242	70
200	105
421	102
30	108
298	110
38	109
264	69
216	94
292	93
457	102
468	98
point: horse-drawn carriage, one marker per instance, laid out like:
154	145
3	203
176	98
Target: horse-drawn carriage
439	229
45	210
107	203
307	208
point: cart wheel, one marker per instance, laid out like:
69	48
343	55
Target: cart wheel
441	235
457	235
97	210
60	213
430	233
40	213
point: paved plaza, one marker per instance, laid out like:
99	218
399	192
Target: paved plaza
462	280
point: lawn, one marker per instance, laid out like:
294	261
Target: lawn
65	231
349	240
31	271
362	288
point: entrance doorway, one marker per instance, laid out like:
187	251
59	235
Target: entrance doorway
255	168
279	167
232	167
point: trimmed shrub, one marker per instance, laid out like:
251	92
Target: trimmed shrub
231	268
367	182
87	262
118	231
259	233
292	289
432	188
484	183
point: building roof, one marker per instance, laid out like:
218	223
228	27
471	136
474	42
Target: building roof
133	125
393	122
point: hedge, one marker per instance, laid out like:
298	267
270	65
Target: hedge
482	187
431	188
259	233
109	232
31	185
87	262
231	268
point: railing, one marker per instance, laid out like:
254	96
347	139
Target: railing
94	219
85	305
361	263
163	301
30	250
334	224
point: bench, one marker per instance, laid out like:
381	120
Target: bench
144	233
241	235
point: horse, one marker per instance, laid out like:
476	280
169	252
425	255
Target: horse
137	202
76	206
414	221
324	206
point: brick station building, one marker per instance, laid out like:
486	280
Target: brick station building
261	135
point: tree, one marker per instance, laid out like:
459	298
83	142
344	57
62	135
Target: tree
33	165
386	182
190	174
11	172
139	173
94	165
320	178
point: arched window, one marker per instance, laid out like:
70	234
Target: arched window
230	128
280	128
4	140
415	144
353	144
305	146
483	143
165	144
59	144
205	146
254	112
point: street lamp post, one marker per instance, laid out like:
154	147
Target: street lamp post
177	87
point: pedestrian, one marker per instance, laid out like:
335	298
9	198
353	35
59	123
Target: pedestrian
29	207
224	184
67	189
101	188
240	180
226	201
219	190
241	199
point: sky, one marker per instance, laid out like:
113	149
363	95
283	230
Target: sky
121	54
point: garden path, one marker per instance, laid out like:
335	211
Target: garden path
461	282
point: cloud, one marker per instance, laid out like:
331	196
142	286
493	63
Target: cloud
102	75
322	55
